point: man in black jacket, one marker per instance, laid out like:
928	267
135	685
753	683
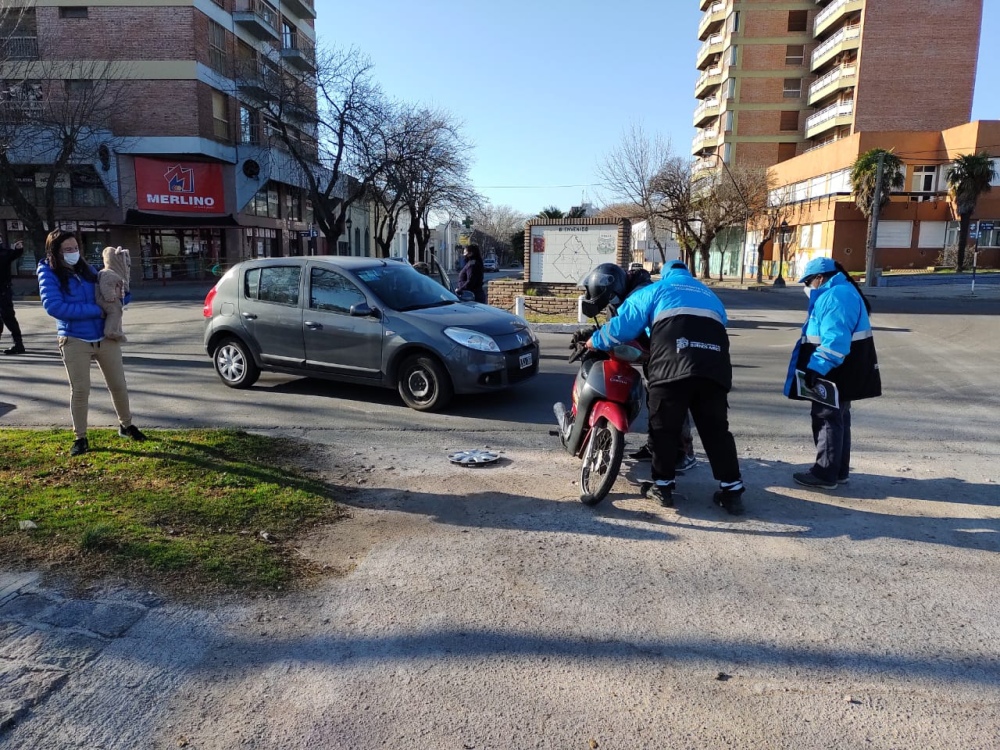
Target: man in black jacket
9	255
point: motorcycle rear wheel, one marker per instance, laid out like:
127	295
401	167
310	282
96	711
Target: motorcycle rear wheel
602	459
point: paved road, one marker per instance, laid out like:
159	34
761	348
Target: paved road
489	609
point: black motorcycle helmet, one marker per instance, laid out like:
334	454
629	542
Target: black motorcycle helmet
605	286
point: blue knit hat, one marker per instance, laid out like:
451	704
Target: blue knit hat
817	266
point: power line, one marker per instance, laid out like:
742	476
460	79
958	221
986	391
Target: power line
535	187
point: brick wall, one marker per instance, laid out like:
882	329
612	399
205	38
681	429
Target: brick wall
117	33
161	108
557	296
917	64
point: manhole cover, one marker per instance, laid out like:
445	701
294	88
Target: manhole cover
473	457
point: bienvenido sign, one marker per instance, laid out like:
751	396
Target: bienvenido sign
179	186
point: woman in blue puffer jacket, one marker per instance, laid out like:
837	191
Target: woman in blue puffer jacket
836	345
66	284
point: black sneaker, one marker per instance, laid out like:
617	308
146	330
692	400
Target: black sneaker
643	454
685	464
16	349
663	494
731	499
131	432
80	446
843	480
808	479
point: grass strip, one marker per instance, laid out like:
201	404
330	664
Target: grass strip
205	507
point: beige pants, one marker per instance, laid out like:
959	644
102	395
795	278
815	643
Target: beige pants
77	356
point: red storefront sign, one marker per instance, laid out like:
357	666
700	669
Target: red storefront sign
179	186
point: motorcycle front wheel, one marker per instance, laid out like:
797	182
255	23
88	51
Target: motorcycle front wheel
602	459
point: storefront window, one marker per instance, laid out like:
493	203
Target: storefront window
265	202
180	253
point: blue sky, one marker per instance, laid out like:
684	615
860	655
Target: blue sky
545	87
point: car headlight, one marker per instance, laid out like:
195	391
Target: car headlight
472	339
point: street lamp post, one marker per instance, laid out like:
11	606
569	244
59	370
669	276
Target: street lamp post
782	239
349	235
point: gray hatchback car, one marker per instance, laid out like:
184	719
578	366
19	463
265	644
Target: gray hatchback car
362	320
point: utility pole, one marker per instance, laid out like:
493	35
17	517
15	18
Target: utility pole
876	209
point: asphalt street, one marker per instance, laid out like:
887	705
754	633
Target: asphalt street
490	609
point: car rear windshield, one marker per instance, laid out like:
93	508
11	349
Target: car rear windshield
402	288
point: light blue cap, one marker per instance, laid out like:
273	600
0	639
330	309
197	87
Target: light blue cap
817	266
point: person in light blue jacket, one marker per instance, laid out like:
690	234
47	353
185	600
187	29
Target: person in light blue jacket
67	285
836	345
689	370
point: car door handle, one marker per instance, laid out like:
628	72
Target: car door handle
313	326
249	316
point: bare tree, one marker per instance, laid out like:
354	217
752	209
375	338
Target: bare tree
631	173
56	119
431	172
494	227
768	219
329	118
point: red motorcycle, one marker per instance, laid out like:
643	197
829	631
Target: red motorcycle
607	397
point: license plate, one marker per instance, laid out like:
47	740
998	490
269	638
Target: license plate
525	360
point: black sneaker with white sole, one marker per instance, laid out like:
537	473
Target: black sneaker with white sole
132	432
808	479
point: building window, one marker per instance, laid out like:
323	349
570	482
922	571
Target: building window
786	151
220	115
249	127
730	88
265	202
734	22
795	54
789	120
798	20
218	60
79	87
288	36
924	179
220	3
730	120
734	55
793	88
68	11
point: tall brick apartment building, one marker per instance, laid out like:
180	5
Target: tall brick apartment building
194	177
783	81
779	77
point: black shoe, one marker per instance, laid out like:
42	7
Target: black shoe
80	446
808	479
131	432
685	464
16	349
643	454
730	500
663	494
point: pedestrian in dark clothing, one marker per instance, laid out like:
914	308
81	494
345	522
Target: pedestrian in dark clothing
836	345
470	279
9	255
689	370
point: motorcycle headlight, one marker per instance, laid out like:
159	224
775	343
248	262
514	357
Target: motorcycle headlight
472	339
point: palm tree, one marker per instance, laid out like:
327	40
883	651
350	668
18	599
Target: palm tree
551	212
864	178
576	212
969	177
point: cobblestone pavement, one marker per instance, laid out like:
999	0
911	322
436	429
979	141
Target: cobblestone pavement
44	638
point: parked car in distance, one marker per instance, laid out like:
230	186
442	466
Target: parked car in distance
362	320
490	264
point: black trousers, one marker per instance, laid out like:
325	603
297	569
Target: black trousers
7	313
709	406
831	430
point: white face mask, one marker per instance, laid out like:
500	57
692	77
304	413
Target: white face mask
71	259
808	290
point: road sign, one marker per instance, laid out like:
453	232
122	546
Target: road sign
986	226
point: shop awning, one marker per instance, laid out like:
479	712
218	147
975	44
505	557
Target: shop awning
136	218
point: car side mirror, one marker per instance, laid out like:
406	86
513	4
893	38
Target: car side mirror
466	296
364	310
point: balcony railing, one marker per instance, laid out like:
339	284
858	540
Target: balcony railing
712	41
710	16
259	17
844	71
829	12
846	34
708	134
842	109
19	48
704	77
299	51
304	8
705	107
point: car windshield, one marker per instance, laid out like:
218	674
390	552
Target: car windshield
402	288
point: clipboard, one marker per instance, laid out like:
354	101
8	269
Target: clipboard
825	392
